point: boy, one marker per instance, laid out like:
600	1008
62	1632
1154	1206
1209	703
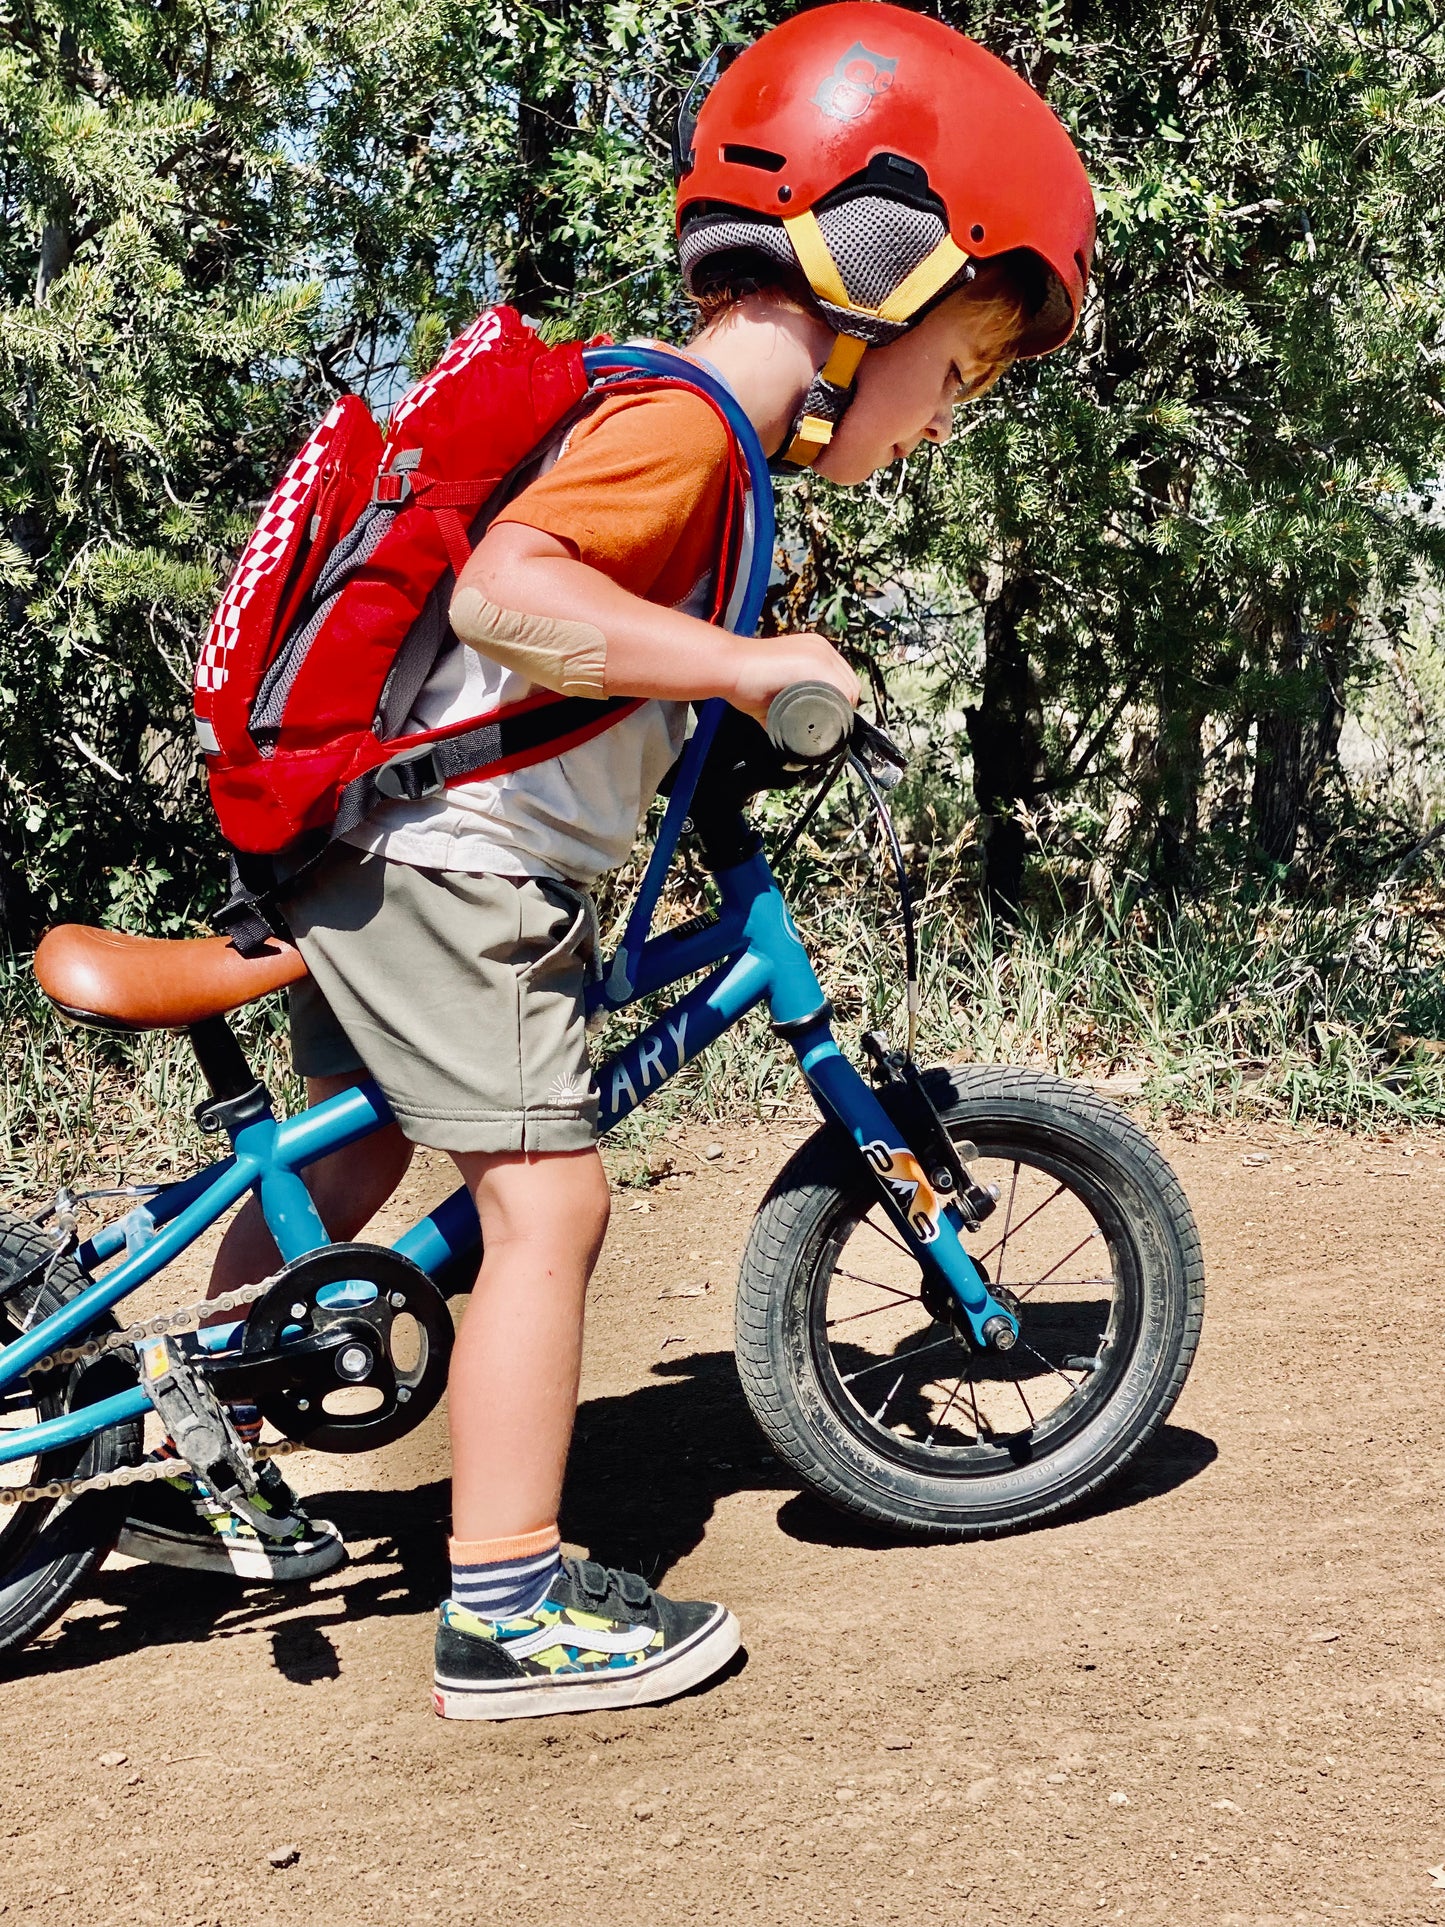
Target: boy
875	219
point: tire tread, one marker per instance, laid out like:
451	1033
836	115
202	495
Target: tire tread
775	1244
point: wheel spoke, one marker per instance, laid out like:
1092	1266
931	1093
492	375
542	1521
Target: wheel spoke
887	1236
1049	1365
1058	1189
1024	1402
937	1425
895	1297
888	1399
872	1311
847	1378
1088	1238
980	1429
857	1278
1008	1217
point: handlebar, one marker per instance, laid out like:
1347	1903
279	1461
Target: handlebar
810	722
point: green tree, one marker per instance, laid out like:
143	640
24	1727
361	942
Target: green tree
1169	547
214	220
1188	515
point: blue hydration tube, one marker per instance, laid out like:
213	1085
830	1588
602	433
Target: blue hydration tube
670	365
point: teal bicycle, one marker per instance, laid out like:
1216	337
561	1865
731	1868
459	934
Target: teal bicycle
966	1303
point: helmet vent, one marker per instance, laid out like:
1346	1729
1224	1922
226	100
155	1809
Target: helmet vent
762	157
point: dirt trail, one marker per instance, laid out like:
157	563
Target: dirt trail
1217	1699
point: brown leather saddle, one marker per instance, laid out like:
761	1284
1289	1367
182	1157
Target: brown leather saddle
121	982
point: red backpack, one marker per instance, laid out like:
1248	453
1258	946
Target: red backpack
335	613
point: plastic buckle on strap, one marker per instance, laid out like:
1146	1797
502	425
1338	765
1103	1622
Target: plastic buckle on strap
411	776
391	489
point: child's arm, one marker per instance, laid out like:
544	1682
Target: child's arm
597	638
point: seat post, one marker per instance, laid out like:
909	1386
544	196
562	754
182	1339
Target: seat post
238	1098
222	1061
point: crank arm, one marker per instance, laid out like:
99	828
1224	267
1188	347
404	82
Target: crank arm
310	1362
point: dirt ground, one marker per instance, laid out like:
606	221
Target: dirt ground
1215	1699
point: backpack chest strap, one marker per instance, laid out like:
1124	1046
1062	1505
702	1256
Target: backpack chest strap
529	732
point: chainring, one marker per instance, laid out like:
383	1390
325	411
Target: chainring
340	1343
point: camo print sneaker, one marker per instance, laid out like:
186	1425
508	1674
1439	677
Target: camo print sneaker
599	1638
179	1522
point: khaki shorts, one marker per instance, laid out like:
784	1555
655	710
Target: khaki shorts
461	995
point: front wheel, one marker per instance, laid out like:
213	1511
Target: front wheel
862	1377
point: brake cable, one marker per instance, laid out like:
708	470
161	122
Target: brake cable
905	898
805	817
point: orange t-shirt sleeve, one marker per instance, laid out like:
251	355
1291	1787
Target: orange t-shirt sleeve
639	493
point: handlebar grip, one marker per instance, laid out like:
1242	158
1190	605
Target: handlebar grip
809	721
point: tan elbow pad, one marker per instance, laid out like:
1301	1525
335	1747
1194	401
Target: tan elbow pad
566	656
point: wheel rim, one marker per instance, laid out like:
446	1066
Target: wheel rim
912	1391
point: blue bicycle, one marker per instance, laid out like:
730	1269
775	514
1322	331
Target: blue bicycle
966	1303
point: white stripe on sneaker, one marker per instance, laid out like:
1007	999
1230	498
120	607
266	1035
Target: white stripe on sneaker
631	1639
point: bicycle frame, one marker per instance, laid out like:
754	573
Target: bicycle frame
754	955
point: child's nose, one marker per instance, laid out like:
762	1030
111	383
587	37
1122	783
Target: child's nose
940	429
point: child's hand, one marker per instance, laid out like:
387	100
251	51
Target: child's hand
765	665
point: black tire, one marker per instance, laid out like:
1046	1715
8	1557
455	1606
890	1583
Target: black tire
945	1469
49	1549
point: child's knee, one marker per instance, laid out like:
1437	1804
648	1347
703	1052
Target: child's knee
559	1199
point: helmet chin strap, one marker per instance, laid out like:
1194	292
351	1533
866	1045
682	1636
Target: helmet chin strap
824	404
831	390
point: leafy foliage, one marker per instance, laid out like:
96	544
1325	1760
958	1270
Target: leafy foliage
1138	589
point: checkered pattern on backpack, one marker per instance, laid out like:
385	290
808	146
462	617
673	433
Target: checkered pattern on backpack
269	544
470	342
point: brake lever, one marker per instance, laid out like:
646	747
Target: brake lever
884	761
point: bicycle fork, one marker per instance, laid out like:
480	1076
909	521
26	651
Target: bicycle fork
928	1221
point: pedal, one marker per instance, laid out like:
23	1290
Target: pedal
200	1428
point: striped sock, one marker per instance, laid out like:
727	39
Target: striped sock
505	1578
246	1417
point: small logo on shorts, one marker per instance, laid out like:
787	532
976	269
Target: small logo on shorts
849	91
568	1087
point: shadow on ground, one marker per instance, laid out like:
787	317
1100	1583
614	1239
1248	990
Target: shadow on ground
647	1471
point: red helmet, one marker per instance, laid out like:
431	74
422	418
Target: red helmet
881	153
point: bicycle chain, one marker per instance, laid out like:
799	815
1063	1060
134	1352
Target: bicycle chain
170	1324
144	1474
166	1324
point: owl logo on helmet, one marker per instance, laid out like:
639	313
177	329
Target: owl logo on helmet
849	91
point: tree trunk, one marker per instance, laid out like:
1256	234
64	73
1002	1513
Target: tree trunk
1006	738
1179	767
1416	733
1324	775
1280	779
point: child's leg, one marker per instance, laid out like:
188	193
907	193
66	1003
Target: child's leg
513	1394
524	1631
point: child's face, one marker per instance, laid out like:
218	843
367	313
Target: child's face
907	392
